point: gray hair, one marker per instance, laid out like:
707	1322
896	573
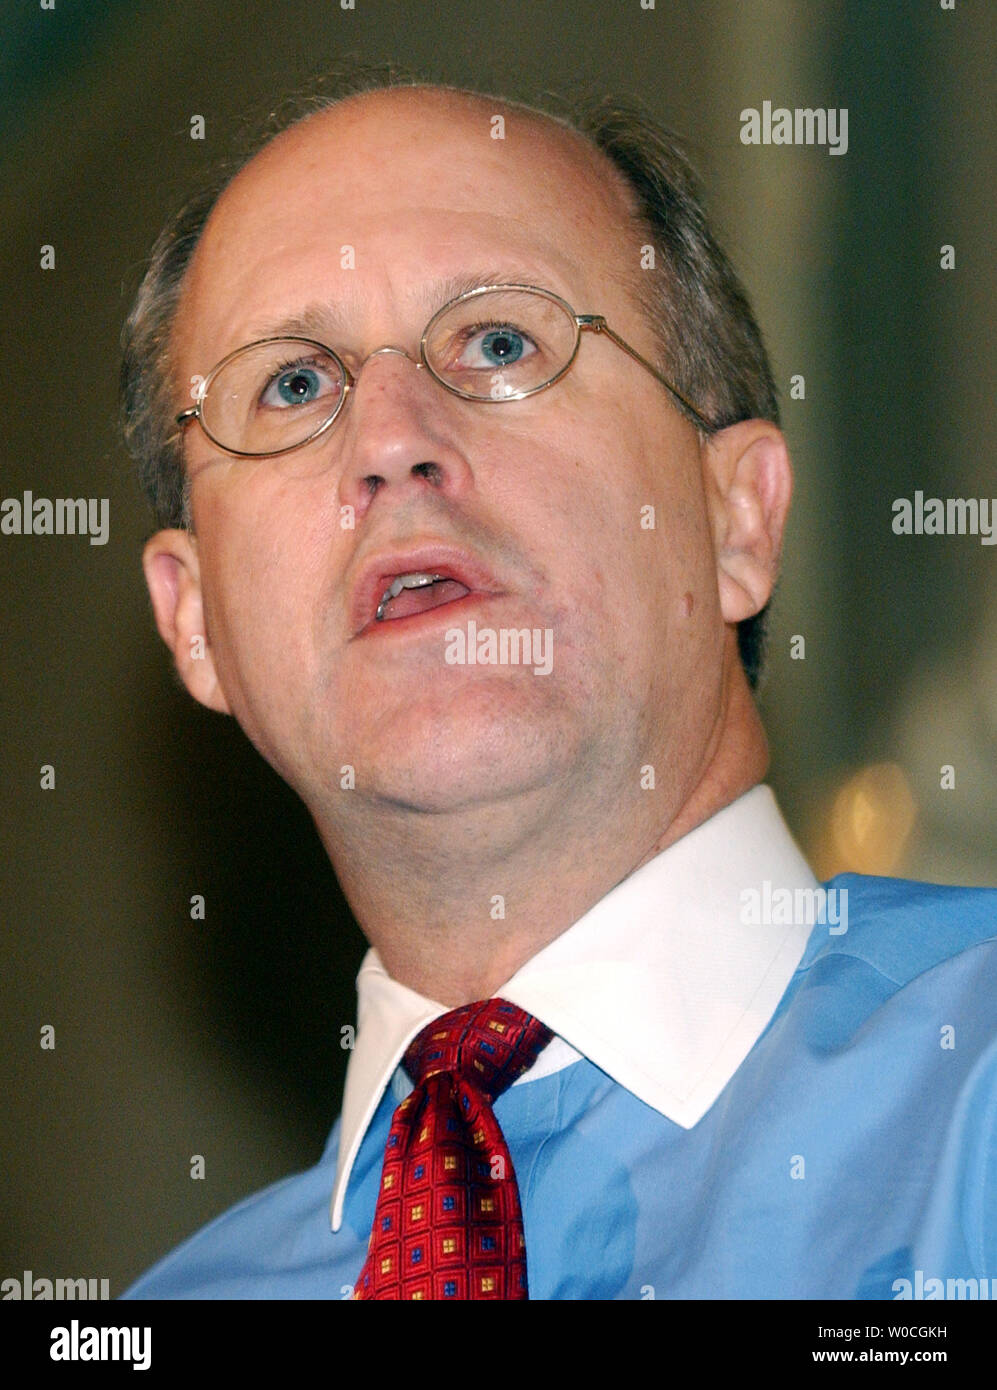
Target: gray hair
708	339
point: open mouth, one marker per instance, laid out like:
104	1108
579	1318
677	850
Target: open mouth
417	592
408	583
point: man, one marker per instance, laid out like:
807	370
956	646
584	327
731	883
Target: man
479	510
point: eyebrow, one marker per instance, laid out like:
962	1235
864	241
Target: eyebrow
320	320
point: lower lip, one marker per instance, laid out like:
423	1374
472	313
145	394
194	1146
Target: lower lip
447	614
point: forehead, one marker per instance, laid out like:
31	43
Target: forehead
366	207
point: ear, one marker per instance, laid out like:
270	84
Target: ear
749	481
173	574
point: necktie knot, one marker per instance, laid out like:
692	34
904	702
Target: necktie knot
489	1044
449	1223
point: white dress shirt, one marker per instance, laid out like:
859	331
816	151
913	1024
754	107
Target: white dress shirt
663	984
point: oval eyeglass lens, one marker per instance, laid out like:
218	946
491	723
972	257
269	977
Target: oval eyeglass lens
272	396
500	344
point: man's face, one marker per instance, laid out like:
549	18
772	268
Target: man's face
537	503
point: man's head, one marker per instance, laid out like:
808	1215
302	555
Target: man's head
357	224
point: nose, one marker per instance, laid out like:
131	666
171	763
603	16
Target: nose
399	433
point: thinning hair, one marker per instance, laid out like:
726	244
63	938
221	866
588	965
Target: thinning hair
708	340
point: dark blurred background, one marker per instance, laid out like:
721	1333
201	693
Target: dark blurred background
221	1037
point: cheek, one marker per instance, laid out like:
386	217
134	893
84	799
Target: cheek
616	515
263	558
641	508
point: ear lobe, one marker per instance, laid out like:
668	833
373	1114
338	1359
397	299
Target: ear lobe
749	486
173	575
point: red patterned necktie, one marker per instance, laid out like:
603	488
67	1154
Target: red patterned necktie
448	1222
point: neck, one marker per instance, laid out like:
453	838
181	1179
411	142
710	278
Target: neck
455	904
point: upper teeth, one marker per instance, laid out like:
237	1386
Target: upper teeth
404	581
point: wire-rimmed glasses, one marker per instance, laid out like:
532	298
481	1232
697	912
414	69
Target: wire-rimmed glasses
492	344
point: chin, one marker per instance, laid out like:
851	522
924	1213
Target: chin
439	756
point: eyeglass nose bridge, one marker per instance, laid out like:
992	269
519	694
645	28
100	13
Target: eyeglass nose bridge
352	377
401	352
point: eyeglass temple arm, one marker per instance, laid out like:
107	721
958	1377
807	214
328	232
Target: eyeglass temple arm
599	325
185	415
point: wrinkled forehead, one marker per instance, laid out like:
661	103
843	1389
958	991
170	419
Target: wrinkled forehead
402	189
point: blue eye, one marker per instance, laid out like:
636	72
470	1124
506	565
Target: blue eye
502	345
298	384
496	345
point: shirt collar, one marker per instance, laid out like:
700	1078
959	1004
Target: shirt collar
665	984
